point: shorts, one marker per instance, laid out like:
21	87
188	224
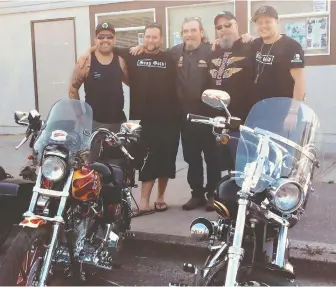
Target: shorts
160	143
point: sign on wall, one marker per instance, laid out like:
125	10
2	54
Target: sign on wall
312	33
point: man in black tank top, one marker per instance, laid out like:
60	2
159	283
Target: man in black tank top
102	74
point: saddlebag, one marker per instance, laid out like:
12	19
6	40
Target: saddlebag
15	195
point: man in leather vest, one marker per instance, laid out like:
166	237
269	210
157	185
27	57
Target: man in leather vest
192	58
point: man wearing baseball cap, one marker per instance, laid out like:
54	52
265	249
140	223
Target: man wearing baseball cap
279	62
232	64
102	75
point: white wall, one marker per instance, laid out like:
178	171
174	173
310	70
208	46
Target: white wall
16	60
321	97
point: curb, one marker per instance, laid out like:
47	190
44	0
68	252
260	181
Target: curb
312	251
299	250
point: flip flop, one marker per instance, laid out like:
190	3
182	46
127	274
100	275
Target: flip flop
160	206
137	213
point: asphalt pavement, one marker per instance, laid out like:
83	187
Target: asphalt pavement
158	265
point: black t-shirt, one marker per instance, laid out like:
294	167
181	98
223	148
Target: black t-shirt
273	63
232	71
152	86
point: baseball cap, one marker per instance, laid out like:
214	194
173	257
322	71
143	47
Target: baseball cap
105	26
226	14
267	11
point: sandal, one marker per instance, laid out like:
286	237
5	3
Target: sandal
160	206
139	212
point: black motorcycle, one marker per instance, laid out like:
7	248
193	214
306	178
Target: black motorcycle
263	197
80	209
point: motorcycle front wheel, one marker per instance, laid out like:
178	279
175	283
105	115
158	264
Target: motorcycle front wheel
216	277
21	257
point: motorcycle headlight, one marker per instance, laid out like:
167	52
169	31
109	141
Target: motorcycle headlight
286	195
53	168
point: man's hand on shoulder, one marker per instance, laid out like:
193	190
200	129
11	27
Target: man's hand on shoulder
137	50
246	38
215	44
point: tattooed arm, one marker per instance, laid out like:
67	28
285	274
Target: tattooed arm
79	74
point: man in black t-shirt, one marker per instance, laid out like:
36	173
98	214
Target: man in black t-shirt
279	62
153	101
231	69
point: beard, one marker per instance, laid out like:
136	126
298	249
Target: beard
226	43
152	48
190	46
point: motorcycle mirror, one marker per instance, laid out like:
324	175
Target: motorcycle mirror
21	118
216	99
34	120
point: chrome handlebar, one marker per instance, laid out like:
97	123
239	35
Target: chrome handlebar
116	139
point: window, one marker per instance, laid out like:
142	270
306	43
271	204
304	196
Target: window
207	12
130	25
307	21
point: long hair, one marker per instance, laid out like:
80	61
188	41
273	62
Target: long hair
199	21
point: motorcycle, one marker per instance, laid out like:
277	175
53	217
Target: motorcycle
264	196
80	210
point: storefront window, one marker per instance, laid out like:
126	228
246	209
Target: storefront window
207	12
130	25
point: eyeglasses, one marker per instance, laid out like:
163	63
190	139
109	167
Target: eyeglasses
226	26
102	37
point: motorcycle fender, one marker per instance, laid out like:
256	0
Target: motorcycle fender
32	222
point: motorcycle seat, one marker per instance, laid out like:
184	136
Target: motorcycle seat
111	174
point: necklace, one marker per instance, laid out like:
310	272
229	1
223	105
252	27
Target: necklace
262	70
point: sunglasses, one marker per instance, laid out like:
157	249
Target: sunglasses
102	37
226	26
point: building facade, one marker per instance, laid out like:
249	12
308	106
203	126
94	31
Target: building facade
36	79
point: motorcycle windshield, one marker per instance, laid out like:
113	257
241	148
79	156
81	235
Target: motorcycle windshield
294	146
69	124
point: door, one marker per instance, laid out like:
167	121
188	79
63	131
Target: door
54	52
